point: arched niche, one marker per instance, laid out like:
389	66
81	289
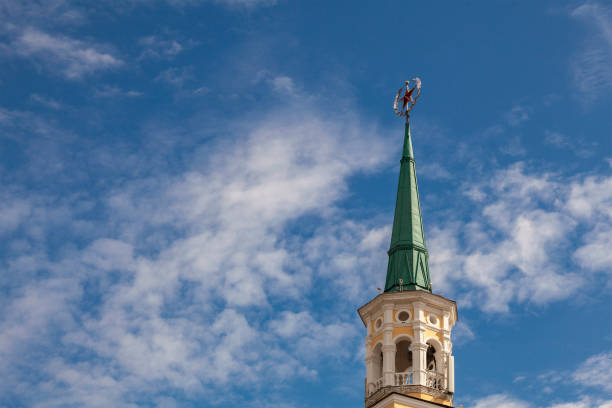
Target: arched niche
403	354
434	355
377	362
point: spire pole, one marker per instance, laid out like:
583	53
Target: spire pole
408	267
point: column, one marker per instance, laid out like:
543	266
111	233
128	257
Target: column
419	360
445	320
388	347
451	373
388	365
369	358
419	348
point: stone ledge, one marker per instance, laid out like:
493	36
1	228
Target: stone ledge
405	390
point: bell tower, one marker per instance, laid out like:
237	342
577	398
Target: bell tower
409	360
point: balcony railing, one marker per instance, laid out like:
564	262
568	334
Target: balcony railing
405	378
433	379
374	386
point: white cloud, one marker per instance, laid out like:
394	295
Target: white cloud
585	402
596	371
312	338
46	101
72	58
13	211
462	333
507	401
517	115
245	3
556	139
521	232
595	253
163	46
25	12
176	76
174	290
108	91
579	147
283	84
434	171
351	255
500	401
591	66
108	254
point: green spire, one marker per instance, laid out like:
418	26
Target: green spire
408	258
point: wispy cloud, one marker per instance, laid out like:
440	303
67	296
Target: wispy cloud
500	401
561	141
108	91
66	56
46	102
163	46
517	115
163	297
586	402
596	372
592	66
556	139
283	84
508	401
462	333
244	3
522	232
176	76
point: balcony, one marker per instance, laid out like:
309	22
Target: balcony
433	379
405	378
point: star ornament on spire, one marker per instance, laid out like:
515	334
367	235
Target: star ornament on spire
412	90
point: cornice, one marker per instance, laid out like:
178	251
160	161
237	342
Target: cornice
382	397
412	295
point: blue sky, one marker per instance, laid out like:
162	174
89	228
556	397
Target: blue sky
197	196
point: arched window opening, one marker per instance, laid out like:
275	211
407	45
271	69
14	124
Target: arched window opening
403	356
431	358
378	361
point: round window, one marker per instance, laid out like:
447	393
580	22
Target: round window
403	316
433	320
378	323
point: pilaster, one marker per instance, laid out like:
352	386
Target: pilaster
419	359
388	364
388	347
451	373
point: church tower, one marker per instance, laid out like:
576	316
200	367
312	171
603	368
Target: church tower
409	361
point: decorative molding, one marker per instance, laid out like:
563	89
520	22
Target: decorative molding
429	300
386	348
403	390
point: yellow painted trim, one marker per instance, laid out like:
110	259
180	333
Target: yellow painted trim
375	340
438	336
428	397
403	330
373	325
